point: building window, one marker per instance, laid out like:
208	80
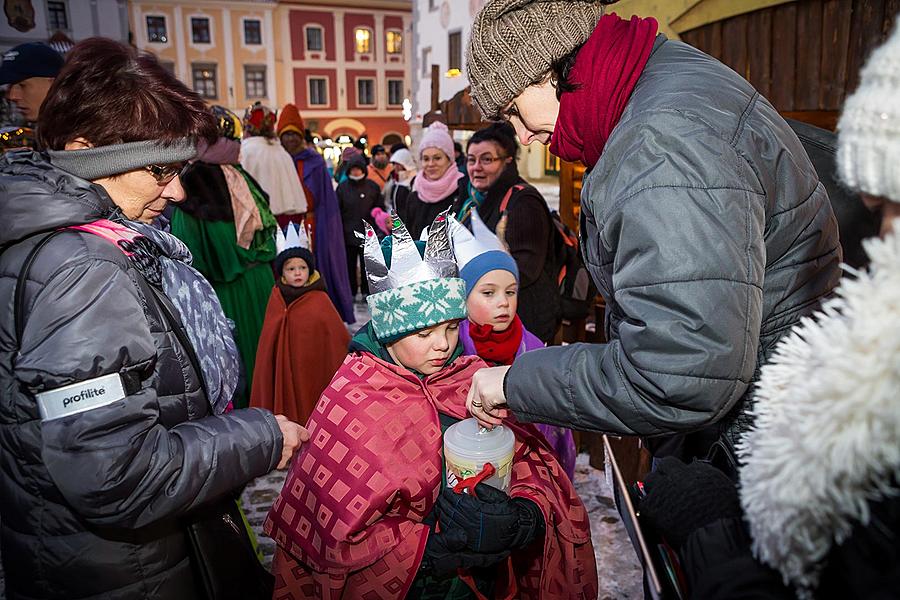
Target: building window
200	30
365	92
394	42
314	42
455	50
255	81
57	18
205	80
156	30
395	92
318	91
363	39
252	32
426	62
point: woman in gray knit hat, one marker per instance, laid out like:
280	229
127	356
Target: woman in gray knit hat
117	365
703	222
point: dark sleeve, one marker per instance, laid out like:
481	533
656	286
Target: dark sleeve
405	209
718	565
118	464
528	234
688	300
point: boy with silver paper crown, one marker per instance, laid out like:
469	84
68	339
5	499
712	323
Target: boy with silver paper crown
303	340
493	330
366	511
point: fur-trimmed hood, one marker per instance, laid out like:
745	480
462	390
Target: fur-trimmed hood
826	440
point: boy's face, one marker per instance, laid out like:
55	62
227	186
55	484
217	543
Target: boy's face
428	350
494	300
295	272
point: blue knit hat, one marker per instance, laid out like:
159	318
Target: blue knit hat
479	252
481	265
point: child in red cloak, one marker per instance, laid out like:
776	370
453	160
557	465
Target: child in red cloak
365	512
303	340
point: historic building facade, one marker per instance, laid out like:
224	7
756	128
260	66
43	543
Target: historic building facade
346	64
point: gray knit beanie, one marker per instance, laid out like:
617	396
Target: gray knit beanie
104	161
514	42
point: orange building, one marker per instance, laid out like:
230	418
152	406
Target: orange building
223	49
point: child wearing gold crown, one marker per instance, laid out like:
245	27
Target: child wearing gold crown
303	340
366	511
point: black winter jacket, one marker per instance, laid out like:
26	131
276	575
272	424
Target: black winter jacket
417	215
357	199
94	503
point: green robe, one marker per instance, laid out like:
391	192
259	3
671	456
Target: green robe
242	279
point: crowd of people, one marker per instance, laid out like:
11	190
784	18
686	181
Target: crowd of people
178	284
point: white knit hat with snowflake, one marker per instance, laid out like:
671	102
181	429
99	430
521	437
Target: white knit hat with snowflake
868	154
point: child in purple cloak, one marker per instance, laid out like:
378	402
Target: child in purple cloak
493	330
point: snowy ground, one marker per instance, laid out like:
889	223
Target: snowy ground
617	565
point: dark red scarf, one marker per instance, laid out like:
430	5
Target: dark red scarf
498	347
606	70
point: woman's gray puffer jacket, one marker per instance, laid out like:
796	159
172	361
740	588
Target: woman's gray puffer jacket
708	233
93	504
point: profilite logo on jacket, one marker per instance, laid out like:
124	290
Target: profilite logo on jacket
80	397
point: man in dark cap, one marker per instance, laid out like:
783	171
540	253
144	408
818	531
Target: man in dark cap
29	70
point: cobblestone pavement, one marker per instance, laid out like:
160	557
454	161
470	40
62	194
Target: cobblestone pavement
617	564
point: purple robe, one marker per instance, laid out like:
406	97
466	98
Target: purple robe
331	257
560	439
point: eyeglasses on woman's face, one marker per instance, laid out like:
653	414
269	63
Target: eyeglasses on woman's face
486	160
164	174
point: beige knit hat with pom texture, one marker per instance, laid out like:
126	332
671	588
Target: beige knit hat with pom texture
514	42
868	153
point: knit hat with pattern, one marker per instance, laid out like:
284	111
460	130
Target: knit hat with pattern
868	152
514	42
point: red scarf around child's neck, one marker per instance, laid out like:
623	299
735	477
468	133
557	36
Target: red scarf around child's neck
606	70
498	347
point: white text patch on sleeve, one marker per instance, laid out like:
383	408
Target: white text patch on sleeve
81	396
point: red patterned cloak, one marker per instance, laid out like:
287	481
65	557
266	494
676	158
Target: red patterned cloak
348	522
301	346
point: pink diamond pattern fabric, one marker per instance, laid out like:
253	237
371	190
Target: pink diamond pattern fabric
348	522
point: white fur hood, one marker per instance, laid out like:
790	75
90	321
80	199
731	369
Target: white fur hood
826	439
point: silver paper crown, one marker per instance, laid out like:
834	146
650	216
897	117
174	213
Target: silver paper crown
407	265
297	237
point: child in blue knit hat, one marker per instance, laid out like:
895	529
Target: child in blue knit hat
493	330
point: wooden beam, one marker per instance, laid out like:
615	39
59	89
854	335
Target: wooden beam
664	11
710	11
435	87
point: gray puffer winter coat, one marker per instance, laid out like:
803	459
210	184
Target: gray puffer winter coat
93	503
709	235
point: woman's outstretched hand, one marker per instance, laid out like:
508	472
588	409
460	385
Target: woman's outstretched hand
486	401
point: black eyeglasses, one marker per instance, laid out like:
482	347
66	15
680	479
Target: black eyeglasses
166	173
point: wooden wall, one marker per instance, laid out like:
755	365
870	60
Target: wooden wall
803	56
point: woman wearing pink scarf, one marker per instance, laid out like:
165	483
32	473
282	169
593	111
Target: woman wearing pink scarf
436	187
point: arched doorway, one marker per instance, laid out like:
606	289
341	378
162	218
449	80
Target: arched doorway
390	139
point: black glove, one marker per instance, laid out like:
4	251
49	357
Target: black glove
445	553
492	522
683	498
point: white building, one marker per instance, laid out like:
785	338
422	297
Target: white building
440	37
39	20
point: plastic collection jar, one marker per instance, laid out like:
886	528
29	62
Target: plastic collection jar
468	447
